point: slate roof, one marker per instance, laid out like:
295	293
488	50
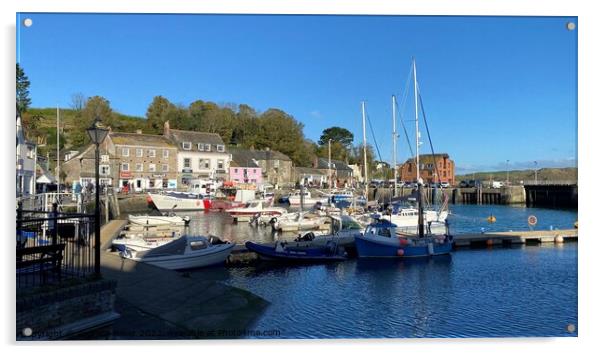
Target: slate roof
239	154
425	158
336	165
140	140
182	136
309	171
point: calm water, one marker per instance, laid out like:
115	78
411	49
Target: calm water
501	292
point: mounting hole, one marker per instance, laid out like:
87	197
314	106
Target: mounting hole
571	26
27	332
570	328
27	22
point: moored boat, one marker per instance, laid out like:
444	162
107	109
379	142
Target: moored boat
158	220
254	209
185	252
179	201
283	253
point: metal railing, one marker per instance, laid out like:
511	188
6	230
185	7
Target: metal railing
52	247
550	183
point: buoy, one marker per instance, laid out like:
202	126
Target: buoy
403	241
489	242
400	252
491	219
559	239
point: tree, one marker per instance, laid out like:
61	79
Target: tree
342	135
158	112
78	102
23	100
95	106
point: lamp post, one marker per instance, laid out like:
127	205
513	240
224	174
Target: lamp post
97	135
507	173
329	173
535	171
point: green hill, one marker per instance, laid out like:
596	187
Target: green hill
515	176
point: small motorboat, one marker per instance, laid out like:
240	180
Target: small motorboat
300	221
254	209
139	244
282	252
185	252
158	220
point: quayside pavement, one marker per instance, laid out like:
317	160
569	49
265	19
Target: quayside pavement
157	303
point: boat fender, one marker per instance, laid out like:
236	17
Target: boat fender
400	252
403	241
206	204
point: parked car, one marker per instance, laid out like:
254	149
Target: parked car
463	184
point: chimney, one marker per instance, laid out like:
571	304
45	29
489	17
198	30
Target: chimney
166	128
138	131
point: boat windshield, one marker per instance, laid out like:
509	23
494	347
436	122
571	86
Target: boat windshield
350	224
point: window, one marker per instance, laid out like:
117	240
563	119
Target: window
186	163
207	147
236	170
139	152
151	153
255	171
104	158
105	170
165	154
152	167
30	152
201	147
221	148
165	167
187	145
203	163
125	152
139	167
276	163
125	166
220	164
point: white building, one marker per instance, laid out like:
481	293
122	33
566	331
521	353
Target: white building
200	155
26	163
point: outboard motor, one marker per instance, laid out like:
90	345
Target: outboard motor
214	240
307	237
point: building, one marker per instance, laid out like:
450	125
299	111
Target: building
276	167
244	169
430	165
199	155
341	173
357	172
145	161
311	177
26	163
79	167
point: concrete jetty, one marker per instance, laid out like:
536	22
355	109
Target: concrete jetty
158	304
515	237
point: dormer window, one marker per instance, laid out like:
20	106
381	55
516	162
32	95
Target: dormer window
220	148
187	145
207	147
201	147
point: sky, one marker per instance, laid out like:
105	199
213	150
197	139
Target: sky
497	91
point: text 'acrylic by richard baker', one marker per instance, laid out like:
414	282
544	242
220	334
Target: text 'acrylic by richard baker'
278	176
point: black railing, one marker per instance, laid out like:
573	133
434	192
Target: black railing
52	247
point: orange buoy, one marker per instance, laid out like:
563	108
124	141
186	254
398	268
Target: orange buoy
489	242
491	219
400	252
403	241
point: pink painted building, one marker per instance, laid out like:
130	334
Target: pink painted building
246	172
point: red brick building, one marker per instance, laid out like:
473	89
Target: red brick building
430	165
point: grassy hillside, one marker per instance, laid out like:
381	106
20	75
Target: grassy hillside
543	174
40	124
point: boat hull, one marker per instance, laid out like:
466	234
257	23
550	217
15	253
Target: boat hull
144	220
296	255
217	255
166	203
393	247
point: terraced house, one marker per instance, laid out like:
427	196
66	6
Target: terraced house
146	161
200	155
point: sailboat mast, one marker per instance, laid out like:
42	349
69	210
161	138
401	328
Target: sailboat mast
58	144
394	149
365	155
420	206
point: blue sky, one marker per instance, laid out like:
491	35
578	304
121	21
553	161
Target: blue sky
494	88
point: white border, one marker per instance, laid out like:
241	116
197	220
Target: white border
589	148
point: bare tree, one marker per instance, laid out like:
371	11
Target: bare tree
78	101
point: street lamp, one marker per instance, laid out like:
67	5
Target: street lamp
97	135
329	159
535	171
507	173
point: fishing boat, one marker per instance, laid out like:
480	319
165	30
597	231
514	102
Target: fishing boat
337	196
254	209
381	238
158	220
185	252
343	231
283	253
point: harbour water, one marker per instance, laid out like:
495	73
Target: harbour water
521	291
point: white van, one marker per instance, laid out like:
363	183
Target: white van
497	184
